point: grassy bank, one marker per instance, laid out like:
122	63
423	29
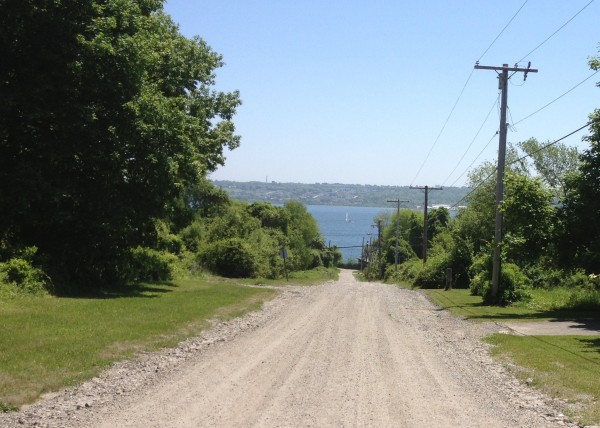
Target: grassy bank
50	342
566	367
544	305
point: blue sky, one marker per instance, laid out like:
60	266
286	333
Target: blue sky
358	92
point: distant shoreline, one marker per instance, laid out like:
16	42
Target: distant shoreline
351	195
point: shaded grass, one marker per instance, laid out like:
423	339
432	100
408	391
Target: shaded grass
49	342
567	367
544	305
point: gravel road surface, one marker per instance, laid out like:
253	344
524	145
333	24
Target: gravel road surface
345	353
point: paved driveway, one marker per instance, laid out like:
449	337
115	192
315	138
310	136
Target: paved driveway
555	328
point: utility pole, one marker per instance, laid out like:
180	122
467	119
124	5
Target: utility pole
362	256
397	231
425	220
379	252
503	86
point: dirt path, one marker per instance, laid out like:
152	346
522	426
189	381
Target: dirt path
340	354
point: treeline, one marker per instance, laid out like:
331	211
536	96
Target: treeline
551	233
109	125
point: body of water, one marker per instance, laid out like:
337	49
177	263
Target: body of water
347	226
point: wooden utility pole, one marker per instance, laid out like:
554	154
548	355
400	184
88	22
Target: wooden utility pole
379	250
425	221
397	231
503	86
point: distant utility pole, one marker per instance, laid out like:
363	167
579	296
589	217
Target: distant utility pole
362	256
379	252
425	221
397	231
503	86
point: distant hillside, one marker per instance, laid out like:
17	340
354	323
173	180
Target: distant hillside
338	194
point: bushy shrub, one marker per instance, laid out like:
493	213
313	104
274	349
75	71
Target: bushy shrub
544	277
394	276
331	257
315	259
405	251
480	273
147	264
584	299
167	241
266	246
514	284
433	274
580	280
594	282
19	276
410	269
192	235
232	258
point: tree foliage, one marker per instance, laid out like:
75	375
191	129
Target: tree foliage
529	219
107	118
245	240
552	162
580	238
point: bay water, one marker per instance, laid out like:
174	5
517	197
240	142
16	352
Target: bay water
345	227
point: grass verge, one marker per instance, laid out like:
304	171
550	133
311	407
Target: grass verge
306	277
566	367
48	343
545	305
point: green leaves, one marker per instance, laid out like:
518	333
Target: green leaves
107	119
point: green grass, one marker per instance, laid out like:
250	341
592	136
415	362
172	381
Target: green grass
561	366
307	277
47	342
545	305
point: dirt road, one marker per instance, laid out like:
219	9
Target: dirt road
346	354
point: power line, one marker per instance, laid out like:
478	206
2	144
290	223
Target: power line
557	98
511	124
472	141
474	160
502	31
553	34
461	93
443	127
477	186
545	146
529	53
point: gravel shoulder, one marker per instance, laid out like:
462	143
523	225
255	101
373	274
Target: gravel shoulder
344	353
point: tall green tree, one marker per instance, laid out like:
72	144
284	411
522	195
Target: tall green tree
107	116
580	242
529	219
552	163
580	237
304	235
438	220
415	232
